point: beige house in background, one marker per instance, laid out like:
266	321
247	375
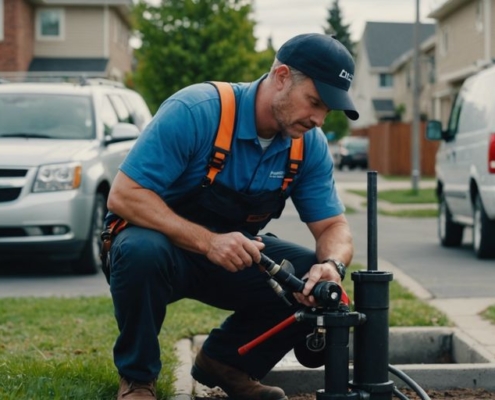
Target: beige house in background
465	45
373	89
403	75
65	38
459	44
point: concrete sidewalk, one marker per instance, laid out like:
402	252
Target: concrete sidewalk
464	313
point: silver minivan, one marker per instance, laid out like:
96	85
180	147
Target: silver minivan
61	146
465	166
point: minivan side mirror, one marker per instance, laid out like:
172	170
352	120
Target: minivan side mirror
121	132
434	130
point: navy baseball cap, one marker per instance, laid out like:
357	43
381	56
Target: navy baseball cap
328	63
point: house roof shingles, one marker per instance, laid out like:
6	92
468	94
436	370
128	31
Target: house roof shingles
385	41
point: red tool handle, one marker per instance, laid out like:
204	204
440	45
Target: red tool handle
344	298
260	339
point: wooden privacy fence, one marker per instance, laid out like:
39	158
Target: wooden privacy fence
390	149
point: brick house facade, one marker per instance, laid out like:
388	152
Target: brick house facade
17	46
44	38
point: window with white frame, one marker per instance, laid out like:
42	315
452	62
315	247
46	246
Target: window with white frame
386	80
50	24
1	20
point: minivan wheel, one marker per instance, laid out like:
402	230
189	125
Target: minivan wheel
483	231
89	262
449	232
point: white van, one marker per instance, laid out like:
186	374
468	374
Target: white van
465	166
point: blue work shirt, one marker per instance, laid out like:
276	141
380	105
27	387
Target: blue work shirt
171	155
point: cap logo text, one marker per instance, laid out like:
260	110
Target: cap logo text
346	75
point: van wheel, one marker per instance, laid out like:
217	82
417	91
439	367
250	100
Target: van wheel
483	231
449	232
89	262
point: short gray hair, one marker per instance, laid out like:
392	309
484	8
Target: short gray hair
297	76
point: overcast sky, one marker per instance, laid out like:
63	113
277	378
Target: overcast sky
282	19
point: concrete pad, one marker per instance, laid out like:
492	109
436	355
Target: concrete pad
416	352
432	376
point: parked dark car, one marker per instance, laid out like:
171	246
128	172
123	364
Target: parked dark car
352	152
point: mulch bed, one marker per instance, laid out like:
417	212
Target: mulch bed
450	394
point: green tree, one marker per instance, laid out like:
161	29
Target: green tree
190	41
337	28
337	121
264	59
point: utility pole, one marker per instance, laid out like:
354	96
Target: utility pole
415	143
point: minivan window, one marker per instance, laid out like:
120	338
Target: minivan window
120	108
454	115
140	112
474	115
108	115
51	116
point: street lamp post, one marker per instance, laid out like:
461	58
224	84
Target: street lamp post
415	143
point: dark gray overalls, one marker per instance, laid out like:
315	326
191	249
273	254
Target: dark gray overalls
148	272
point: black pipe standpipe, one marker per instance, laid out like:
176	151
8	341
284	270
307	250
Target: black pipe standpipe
337	326
371	297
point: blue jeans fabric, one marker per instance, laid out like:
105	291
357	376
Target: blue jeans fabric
148	272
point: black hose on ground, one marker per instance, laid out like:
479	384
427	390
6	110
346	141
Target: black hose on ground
412	384
400	395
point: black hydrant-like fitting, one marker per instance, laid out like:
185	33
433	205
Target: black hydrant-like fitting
371	297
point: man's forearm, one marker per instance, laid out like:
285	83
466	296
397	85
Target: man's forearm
335	242
146	209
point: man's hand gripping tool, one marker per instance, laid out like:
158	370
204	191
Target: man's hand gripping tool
330	297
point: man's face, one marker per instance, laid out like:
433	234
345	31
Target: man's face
298	108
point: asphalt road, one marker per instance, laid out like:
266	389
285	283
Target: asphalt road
410	244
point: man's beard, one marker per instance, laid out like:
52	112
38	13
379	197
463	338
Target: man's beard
282	109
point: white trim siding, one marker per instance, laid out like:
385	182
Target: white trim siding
106	32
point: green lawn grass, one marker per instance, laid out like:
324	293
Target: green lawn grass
350	210
61	348
411	213
489	314
402	196
405	178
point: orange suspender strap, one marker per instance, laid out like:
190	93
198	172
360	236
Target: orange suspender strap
225	129
295	160
225	132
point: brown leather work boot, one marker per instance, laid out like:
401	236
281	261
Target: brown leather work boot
136	390
237	384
